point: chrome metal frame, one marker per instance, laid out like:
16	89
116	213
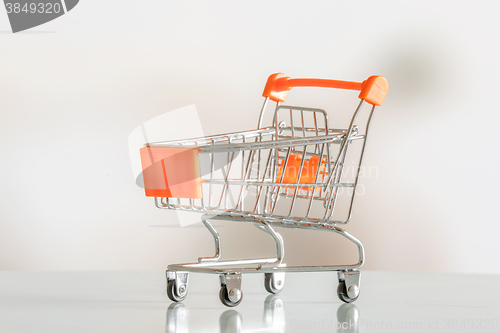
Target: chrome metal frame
267	264
256	191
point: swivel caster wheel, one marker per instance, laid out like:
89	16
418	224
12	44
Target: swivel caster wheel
274	282
230	293
230	298
343	295
348	288
177	284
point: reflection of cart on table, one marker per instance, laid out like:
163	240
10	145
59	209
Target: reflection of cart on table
287	175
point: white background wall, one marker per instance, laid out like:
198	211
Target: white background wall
73	89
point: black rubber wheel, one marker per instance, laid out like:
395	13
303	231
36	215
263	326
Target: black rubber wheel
342	293
269	284
172	292
224	298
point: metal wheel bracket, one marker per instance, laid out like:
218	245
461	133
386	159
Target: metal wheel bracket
352	281
278	280
233	286
181	281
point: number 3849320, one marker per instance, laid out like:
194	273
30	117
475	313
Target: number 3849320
34	7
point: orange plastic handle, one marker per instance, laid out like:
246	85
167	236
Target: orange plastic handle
373	90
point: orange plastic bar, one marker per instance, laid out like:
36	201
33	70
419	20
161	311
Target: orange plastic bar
373	90
291	171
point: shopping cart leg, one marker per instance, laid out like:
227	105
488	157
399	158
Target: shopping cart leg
280	246
216	236
274	282
177	285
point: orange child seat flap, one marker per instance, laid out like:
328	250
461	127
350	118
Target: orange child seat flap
171	172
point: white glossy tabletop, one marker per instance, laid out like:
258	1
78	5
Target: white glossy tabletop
136	302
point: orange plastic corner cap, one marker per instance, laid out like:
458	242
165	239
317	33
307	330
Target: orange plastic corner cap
271	89
374	89
171	172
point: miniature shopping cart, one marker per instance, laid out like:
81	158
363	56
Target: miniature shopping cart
287	175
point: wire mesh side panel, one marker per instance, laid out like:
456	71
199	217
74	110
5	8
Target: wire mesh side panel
293	172
222	173
253	181
320	166
298	122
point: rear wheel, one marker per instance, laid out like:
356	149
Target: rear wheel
272	283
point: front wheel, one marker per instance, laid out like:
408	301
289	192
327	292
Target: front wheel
173	294
342	293
230	298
